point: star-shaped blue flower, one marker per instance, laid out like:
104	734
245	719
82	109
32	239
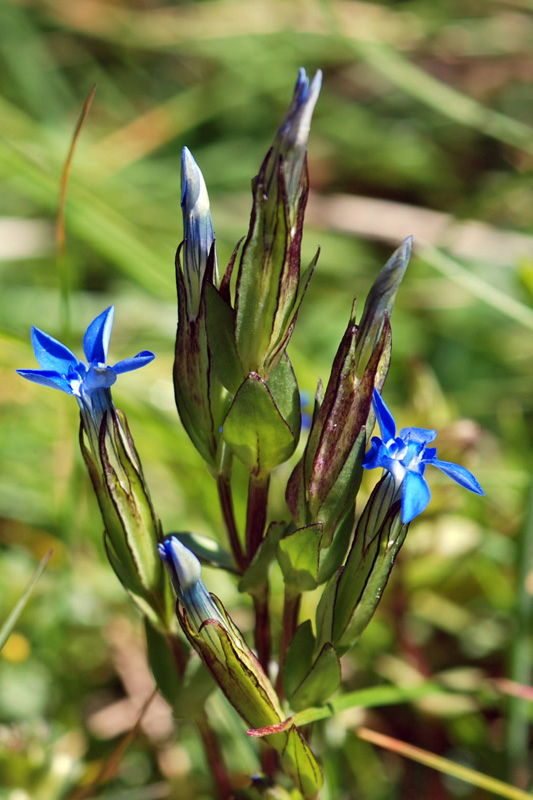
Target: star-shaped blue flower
61	369
406	457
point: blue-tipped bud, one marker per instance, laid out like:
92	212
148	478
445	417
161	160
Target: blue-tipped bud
198	233
185	572
293	133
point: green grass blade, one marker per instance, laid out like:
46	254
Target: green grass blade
477	286
10	622
444	765
520	668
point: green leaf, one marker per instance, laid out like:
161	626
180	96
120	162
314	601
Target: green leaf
255	430
300	763
298	556
9	624
208	551
162	663
221	338
284	387
255	577
322	680
298	658
372	697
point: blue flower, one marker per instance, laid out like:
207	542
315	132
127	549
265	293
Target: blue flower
60	369
89	383
198	233
185	570
406	457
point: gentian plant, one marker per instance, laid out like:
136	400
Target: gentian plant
238	399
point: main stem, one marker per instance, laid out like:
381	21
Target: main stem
256	514
228	514
214	758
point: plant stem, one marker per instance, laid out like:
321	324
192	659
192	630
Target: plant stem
262	628
226	504
291	608
214	758
256	513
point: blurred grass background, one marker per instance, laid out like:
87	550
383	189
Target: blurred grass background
424	126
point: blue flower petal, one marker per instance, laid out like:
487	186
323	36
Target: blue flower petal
415	496
459	474
385	419
97	336
129	364
418	435
374	457
99	378
51	354
46	377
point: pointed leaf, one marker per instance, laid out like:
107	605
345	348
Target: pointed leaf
298	658
300	763
220	335
255	430
284	387
298	556
322	680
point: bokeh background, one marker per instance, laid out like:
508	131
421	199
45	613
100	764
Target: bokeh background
424	127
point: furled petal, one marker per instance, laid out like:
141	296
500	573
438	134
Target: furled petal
129	364
418	435
198	233
458	474
46	377
374	457
293	133
185	573
99	378
415	496
51	354
385	419
97	335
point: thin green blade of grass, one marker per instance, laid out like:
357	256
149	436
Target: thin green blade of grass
521	666
507	305
9	624
444	765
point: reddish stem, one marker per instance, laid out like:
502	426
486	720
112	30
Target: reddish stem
215	760
256	513
262	628
228	514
